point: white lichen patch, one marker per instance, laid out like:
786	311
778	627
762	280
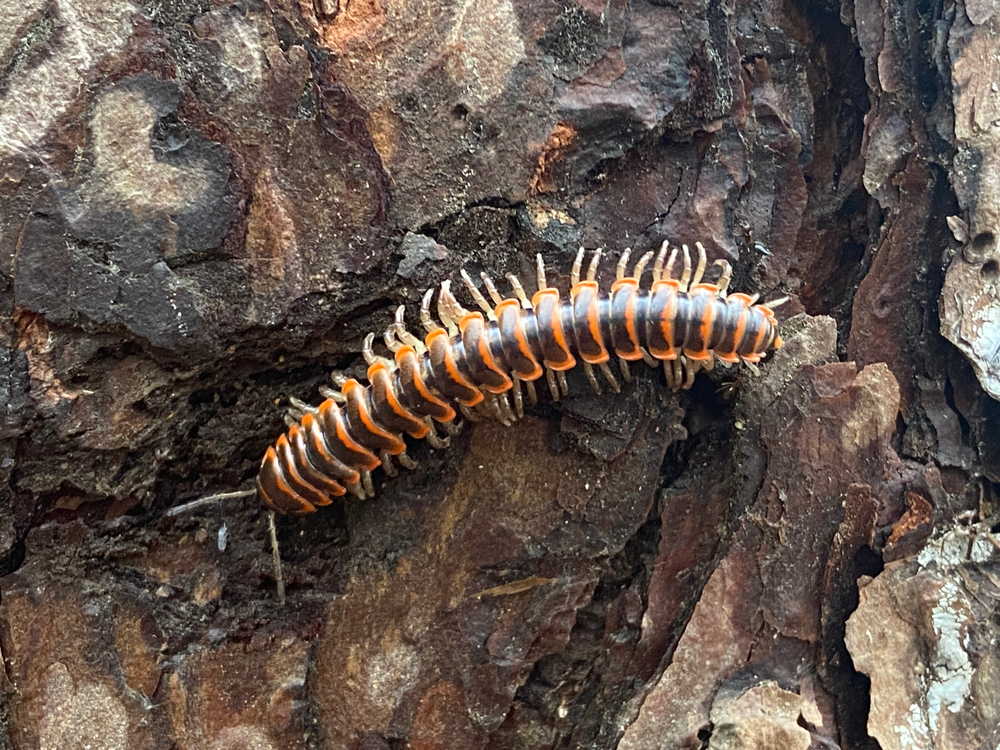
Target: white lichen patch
950	673
958	546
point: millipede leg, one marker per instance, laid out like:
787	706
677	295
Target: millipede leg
690	370
672	373
290	420
369	354
699	272
532	393
448	309
404	335
425	312
356	489
406	461
540	264
519	291
279	580
327	392
298	409
669	272
550	376
574	274
686	273
606	371
435	440
491	288
626	373
468	413
453	427
477	296
563	385
338	378
724	276
389	337
589	370
518	397
302	406
658	263
592	268
777	302
709	363
648	358
622	262
509	416
753	367
390	470
366	348
492	406
640	265
366	482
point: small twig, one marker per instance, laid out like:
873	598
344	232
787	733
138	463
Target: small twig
276	558
207	500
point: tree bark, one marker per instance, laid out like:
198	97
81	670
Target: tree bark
206	207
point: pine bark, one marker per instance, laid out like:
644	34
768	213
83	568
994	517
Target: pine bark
204	208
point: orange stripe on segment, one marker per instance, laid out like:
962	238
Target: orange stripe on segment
273	467
667	318
557	329
269	502
315	496
521	338
761	334
741	325
304	506
296	437
279	475
318	442
452	368
630	328
370	460
422	389
707	318
378	371
593	321
355	392
483	346
778	342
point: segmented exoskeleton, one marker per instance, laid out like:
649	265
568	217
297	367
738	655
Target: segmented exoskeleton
471	362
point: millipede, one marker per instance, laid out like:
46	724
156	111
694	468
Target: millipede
476	363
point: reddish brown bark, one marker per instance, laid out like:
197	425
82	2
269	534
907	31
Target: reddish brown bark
206	207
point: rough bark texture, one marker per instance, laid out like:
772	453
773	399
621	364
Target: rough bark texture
204	206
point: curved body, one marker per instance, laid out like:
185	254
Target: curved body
475	362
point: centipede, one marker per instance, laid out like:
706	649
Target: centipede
475	364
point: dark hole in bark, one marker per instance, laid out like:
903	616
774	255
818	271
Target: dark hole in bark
983	241
990	271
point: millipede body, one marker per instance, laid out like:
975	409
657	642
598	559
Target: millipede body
476	363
